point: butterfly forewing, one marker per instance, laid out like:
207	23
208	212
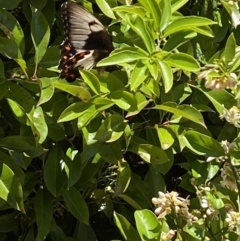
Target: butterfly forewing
86	41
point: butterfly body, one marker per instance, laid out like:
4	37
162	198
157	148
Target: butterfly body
86	41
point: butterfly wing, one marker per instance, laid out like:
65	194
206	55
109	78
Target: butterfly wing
86	41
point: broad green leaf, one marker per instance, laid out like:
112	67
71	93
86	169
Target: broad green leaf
125	100
73	166
102	103
86	116
167	75
218	97
10	49
40	33
106	8
141	104
186	23
74	90
74	111
91	80
230	48
130	201
166	13
21	96
111	152
153	7
122	56
76	204
183	61
141	29
10	4
123	177
127	230
139	74
54	173
44	213
147	225
6	159
179	39
150	154
38	4
185	111
21	144
18	111
202	144
111	129
10	188
139	10
12	29
166	137
40	124
47	90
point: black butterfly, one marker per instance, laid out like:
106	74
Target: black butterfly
86	41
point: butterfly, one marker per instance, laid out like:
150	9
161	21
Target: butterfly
86	41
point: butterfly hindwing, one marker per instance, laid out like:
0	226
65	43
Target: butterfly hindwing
86	41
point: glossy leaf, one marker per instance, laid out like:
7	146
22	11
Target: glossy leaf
74	90
127	230
147	225
91	80
123	177
54	173
44	213
10	188
40	34
202	144
76	204
167	75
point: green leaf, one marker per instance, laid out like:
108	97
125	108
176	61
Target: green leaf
183	61
141	29
10	49
179	39
122	56
106	8
76	204
10	188
123	177
125	100
44	213
139	74
47	90
187	22
127	230
166	137
185	111
177	4
111	129
40	33
202	144
11	4
12	29
74	90
230	48
73	166
111	152
147	225
21	144
167	75
166	14
74	111
91	80
153	7
54	173
150	154
40	124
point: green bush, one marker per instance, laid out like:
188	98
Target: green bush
147	150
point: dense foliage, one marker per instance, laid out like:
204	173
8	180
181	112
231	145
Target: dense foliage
147	150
